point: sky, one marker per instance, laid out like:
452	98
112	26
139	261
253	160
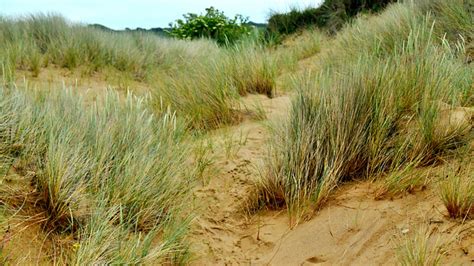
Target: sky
119	14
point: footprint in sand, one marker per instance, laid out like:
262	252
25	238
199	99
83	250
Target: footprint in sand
313	260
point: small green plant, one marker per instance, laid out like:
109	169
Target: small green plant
233	142
203	158
213	24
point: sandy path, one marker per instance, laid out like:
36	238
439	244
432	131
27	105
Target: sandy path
220	233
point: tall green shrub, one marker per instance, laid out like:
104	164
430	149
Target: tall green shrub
214	25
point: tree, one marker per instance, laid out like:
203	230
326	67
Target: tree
214	25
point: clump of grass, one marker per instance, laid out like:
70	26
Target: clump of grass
60	184
202	95
97	173
251	68
457	193
404	179
387	33
203	158
307	44
394	24
419	249
205	92
453	18
105	239
8	72
35	63
368	117
295	48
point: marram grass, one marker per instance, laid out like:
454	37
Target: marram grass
371	112
112	174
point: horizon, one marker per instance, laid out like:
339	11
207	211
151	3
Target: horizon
146	13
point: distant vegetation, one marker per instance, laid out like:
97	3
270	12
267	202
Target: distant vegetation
330	16
213	25
163	32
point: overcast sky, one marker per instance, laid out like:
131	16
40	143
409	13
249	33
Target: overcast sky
118	14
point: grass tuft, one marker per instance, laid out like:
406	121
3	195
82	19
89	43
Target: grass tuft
457	193
419	248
